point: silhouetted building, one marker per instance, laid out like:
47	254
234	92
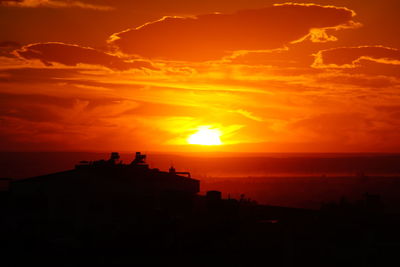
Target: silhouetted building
101	188
106	213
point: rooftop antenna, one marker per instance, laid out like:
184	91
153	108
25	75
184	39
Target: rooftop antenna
172	168
139	159
114	157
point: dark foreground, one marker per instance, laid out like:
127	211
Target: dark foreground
215	232
107	213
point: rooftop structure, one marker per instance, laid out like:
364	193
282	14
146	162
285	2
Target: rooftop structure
105	183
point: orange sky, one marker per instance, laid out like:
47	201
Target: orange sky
268	76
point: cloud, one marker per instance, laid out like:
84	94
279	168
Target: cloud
72	55
213	36
42	76
248	115
53	4
31	120
8	44
6	47
360	80
392	112
350	57
299	55
55	109
342	127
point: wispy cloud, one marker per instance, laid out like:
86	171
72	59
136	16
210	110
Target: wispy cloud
53	4
350	57
72	55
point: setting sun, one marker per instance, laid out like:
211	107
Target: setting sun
205	136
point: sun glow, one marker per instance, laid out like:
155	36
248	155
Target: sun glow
205	136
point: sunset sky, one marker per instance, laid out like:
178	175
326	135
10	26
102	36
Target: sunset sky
165	75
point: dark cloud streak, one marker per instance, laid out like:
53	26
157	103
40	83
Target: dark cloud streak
72	55
350	57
